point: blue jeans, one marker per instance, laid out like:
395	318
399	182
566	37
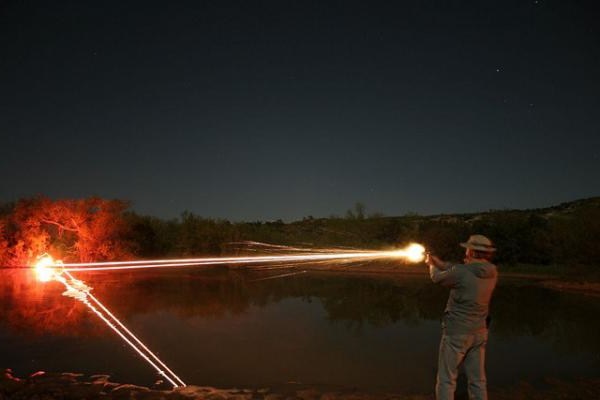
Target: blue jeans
454	350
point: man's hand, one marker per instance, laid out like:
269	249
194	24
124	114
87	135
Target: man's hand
434	261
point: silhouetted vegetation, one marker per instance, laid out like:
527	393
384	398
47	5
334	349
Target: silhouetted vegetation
566	234
98	229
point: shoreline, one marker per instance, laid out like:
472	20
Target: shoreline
51	385
548	281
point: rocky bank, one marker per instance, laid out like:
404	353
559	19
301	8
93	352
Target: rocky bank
66	386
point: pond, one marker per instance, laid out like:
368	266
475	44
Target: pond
234	328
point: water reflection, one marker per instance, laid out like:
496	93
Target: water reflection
221	327
34	308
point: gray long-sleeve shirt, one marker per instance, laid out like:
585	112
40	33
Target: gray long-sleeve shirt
471	287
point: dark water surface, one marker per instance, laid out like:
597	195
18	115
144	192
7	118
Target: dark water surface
228	328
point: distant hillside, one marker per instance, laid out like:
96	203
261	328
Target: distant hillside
566	208
571	206
565	233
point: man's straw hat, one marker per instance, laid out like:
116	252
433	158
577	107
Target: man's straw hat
479	242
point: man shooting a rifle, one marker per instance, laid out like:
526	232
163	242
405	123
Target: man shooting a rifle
465	322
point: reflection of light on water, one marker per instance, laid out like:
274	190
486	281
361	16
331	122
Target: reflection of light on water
314	323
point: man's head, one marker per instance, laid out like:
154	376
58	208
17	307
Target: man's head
478	247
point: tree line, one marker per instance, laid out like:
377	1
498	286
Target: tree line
96	229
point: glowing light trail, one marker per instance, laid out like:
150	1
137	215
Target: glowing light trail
132	336
80	291
413	253
84	300
279	276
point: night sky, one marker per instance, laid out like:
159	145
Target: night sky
254	110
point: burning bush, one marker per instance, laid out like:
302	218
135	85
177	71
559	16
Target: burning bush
80	230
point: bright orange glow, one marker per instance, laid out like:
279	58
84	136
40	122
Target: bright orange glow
414	252
45	268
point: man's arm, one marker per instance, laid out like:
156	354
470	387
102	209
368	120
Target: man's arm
447	277
442	272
